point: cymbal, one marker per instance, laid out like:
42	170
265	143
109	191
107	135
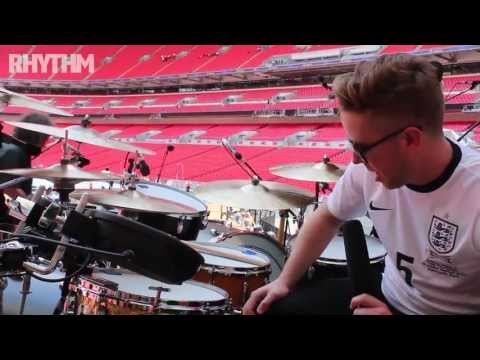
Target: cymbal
133	200
11	98
244	194
324	171
82	135
65	174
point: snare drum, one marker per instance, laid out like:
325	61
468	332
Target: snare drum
182	226
238	278
128	293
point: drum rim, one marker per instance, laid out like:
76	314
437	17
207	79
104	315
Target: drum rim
223	237
329	261
230	270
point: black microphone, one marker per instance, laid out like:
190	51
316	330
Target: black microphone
170	147
131	163
358	261
143	167
154	253
232	150
81	160
85	122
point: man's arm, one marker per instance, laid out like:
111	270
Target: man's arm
312	239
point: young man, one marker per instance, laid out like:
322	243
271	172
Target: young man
419	189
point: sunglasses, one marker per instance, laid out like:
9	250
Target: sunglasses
361	149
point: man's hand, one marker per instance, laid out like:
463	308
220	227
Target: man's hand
365	304
261	299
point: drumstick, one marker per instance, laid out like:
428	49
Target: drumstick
215	250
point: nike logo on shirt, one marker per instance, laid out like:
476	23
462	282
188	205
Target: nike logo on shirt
373	207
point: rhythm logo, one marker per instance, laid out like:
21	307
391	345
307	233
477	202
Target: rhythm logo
50	63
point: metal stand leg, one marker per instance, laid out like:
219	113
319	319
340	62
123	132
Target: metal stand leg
27	279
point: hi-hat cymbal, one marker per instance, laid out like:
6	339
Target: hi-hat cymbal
324	171
64	174
245	194
133	200
11	98
82	135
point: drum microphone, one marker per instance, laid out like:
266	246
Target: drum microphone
232	150
154	253
143	167
170	147
239	158
358	261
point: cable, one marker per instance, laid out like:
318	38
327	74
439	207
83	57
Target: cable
18	237
451	89
469	130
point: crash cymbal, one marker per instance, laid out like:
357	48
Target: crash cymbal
82	135
324	171
62	174
133	200
11	98
245	194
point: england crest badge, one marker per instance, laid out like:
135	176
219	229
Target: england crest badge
442	235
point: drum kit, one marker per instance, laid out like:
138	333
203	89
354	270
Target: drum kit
141	247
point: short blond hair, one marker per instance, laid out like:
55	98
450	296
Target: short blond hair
398	86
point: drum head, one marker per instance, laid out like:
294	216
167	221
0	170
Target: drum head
335	251
169	193
220	261
262	243
136	284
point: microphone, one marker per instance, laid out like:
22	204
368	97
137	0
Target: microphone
232	150
85	122
131	163
154	253
143	167
81	160
170	147
358	261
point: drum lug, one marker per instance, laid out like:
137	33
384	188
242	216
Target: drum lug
156	301
181	224
102	304
245	289
70	306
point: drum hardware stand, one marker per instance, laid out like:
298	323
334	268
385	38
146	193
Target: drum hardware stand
244	165
284	225
3	286
60	250
27	278
320	187
26	284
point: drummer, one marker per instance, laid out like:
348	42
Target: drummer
18	151
418	187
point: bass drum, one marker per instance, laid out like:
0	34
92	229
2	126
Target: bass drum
42	299
260	242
